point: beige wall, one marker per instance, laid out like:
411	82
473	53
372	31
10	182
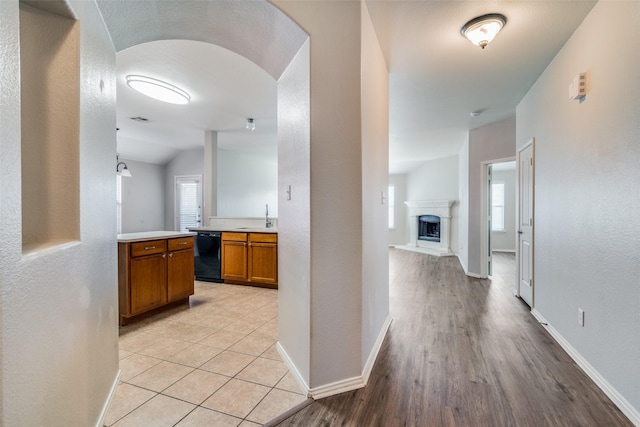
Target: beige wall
587	226
58	333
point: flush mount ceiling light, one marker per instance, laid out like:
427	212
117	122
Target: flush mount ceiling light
250	124
157	89
481	30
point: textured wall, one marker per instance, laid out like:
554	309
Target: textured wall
437	180
59	333
246	182
375	180
143	197
587	227
492	142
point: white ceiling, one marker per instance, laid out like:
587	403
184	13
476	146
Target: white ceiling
437	78
225	90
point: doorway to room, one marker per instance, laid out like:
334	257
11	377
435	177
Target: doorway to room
499	211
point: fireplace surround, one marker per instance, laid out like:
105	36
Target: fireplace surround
425	218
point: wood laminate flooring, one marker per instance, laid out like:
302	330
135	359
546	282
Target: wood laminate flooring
464	352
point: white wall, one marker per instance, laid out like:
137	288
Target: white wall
437	180
506	240
492	142
247	181
375	181
143	197
400	234
294	217
587	226
59	307
188	162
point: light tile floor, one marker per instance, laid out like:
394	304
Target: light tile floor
212	363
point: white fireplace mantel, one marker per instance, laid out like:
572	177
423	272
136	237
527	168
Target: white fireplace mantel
441	208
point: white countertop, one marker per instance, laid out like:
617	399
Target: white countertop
151	235
236	229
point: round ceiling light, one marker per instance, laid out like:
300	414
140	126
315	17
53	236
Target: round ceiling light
157	89
481	30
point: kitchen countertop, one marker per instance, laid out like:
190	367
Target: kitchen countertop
237	229
151	235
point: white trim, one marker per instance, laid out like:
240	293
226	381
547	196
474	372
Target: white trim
341	386
304	387
627	409
475	275
337	387
107	403
373	355
462	264
510	251
466	271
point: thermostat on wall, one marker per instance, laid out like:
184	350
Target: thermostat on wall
578	87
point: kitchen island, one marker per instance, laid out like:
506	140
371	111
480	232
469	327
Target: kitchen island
155	270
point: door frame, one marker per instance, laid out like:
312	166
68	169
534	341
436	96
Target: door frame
484	214
176	180
531	143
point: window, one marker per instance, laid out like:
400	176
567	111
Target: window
119	203
392	204
188	202
497	206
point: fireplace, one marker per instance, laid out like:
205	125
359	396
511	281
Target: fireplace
429	228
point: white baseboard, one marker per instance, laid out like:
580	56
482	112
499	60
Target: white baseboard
373	355
627	409
304	387
107	404
511	251
466	270
341	386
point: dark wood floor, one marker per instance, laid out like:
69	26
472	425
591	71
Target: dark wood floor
464	352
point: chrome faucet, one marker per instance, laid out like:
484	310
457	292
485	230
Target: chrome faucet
267	220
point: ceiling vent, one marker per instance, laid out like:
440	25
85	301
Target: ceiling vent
139	119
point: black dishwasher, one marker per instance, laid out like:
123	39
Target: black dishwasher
207	256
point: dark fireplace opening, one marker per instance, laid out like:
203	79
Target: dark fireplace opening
429	228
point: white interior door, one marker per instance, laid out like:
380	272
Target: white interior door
188	201
525	223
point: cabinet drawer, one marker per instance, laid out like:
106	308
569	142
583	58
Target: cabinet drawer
180	243
237	237
263	237
148	248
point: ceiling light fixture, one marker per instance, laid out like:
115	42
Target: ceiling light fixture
157	89
481	30
250	124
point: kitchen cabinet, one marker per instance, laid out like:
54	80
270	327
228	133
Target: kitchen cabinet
250	258
153	273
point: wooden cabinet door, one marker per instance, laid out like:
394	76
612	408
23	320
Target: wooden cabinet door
148	282
234	260
263	262
180	275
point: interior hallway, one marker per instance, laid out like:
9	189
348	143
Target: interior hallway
464	352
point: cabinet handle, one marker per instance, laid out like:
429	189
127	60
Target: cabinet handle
170	255
146	248
164	255
182	243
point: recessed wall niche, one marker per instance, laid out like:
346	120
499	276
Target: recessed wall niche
50	115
